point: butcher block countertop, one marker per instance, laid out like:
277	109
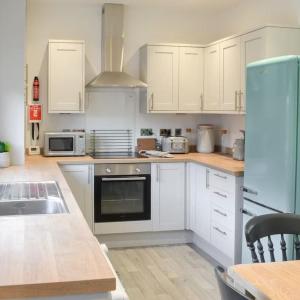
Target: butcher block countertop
47	255
57	254
213	160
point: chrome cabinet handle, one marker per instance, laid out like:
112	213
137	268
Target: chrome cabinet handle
62	49
235	100
220	194
89	174
220	231
207	178
201	102
157	172
80	101
240	100
220	176
220	213
151	102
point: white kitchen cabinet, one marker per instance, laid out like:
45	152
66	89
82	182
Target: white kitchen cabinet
168	196
190	79
66	78
214	202
230	74
252	49
212	78
79	179
174	74
199	205
161	75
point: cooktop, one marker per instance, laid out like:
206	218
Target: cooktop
109	155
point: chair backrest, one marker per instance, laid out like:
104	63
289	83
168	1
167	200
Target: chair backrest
227	291
268	225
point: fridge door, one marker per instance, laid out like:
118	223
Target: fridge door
271	132
250	210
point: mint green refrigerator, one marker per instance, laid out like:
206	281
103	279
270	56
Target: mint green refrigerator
271	179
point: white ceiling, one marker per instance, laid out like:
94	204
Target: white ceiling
205	6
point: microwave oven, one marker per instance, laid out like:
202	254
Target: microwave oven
64	143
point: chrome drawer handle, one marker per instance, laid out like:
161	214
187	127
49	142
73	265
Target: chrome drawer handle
220	176
220	231
221	195
220	213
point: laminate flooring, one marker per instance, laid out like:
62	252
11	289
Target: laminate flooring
165	273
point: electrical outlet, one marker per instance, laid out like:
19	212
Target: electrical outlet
178	132
146	131
165	132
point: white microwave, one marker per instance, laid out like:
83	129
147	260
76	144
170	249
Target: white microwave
64	143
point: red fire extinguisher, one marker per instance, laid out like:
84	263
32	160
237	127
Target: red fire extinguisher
36	89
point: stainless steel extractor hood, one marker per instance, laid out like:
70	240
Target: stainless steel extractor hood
112	75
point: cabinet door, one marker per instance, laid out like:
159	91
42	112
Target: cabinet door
163	78
78	178
66	77
230	74
168	196
212	78
252	49
190	78
199	201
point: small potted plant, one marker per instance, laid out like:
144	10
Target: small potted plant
4	155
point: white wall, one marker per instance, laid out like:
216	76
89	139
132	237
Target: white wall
12	56
64	19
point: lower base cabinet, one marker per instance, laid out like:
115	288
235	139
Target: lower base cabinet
168	196
214	215
79	180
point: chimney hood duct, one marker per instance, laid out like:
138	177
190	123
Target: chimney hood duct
112	44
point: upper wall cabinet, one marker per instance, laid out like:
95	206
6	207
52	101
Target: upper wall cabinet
66	76
212	78
174	75
230	75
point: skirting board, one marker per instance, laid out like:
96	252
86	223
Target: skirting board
138	239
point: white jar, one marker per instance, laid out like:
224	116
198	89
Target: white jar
205	138
4	159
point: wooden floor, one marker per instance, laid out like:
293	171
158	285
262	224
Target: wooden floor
165	273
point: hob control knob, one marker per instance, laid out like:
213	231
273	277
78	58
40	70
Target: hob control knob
108	170
138	170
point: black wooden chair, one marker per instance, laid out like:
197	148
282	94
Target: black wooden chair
270	225
227	291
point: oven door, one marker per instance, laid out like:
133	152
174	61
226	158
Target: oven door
122	198
61	145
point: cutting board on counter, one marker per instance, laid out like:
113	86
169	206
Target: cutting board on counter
146	144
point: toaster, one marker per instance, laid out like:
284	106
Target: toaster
175	144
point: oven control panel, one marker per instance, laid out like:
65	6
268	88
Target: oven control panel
122	169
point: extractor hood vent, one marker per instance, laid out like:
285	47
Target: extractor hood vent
112	75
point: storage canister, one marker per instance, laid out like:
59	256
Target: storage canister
205	138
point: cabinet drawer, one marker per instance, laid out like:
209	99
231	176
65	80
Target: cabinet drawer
221	180
222	238
222	216
222	198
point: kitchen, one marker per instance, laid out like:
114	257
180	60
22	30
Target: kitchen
180	199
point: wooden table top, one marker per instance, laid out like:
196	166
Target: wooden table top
274	281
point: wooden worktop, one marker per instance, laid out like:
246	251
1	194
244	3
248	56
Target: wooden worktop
212	160
45	255
274	281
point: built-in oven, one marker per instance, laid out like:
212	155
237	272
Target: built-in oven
122	192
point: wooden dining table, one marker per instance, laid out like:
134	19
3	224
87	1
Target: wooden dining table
268	281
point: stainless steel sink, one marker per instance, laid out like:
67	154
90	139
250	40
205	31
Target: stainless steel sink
27	198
